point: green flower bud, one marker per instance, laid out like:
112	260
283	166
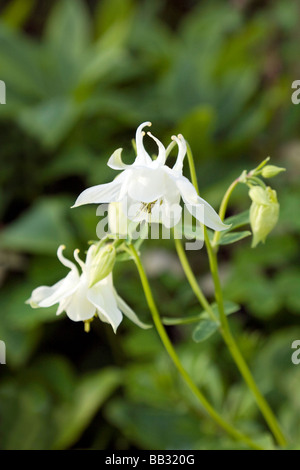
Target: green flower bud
264	213
271	170
102	264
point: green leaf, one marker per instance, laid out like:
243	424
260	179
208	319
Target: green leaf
68	28
149	427
124	257
197	126
110	12
181	320
229	308
75	415
104	56
41	229
50	121
238	220
57	374
19	65
22	316
19	344
17	12
204	330
233	237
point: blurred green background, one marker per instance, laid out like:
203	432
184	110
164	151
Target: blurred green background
80	77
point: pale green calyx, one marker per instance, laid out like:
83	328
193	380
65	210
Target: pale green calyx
243	177
264	212
102	264
271	170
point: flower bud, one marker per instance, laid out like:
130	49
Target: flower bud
264	212
117	220
269	171
102	264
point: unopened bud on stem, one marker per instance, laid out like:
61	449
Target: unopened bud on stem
271	170
264	212
102	264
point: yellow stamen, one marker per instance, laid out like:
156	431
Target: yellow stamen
87	325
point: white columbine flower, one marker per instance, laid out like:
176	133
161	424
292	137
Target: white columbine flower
150	190
80	297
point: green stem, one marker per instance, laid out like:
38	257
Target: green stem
173	355
222	210
192	167
225	329
192	280
236	353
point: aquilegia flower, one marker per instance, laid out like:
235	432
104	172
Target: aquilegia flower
264	212
82	296
150	190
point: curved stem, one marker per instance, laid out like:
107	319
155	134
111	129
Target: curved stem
225	329
223	208
192	280
236	353
173	355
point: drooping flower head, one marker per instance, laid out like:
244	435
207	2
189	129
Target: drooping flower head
89	293
149	190
264	212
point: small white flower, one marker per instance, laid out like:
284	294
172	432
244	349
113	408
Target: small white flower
150	190
80	298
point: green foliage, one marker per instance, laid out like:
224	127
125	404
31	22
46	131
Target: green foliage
233	237
49	407
41	229
77	87
204	330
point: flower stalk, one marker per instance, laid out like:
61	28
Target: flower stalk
174	357
225	329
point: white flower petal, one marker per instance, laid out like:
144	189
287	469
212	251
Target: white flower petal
130	313
66	262
146	185
89	258
181	153
170	207
171	213
115	162
79	308
161	158
206	215
101	193
60	290
79	261
137	212
198	207
102	317
102	297
186	189
62	305
142	158
41	293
